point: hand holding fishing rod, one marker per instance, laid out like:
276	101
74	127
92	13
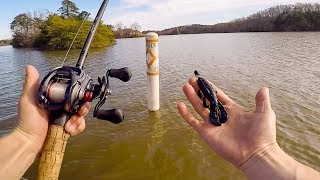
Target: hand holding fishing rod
63	92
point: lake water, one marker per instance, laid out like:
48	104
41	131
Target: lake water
161	145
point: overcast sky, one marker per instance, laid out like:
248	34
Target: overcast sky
151	14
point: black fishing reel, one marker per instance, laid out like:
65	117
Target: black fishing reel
66	89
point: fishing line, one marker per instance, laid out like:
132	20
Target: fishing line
74	39
63	91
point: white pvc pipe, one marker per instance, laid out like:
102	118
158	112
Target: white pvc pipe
152	53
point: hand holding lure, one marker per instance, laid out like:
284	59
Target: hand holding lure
218	115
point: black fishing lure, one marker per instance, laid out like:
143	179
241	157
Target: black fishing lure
208	95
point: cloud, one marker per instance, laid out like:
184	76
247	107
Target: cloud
155	14
135	3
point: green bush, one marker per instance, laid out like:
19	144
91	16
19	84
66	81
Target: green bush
57	33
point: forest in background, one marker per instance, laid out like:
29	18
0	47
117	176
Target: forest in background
55	31
281	18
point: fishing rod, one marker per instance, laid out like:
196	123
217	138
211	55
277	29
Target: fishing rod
63	91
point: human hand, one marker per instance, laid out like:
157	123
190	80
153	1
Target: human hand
33	120
244	135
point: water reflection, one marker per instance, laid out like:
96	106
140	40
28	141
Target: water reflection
157	134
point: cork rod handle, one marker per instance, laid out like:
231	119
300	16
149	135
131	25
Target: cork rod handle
52	153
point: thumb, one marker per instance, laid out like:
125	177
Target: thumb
263	100
31	82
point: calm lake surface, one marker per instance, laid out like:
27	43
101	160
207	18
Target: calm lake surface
161	145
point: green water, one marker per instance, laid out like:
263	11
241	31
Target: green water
161	145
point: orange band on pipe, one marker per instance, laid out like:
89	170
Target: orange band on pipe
153	74
152	40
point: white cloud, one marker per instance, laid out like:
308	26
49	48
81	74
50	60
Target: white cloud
135	3
155	14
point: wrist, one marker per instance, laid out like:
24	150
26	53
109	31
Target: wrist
258	155
270	162
30	141
18	152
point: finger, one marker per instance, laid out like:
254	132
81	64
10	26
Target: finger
222	97
73	124
80	129
194	84
196	102
31	83
84	109
188	117
263	100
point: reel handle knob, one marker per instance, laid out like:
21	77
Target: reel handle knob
113	115
124	74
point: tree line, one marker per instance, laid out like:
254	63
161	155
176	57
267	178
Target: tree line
5	42
123	31
55	31
281	18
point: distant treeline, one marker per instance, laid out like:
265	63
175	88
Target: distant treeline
299	17
122	31
50	31
5	42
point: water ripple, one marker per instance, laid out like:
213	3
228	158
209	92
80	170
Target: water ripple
162	145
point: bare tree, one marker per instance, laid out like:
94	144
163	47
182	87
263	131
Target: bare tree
119	26
136	27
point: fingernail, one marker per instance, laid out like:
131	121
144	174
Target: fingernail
26	70
86	110
72	128
25	75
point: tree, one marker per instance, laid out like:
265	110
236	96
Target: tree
118	26
48	31
136	28
298	22
118	29
22	23
24	30
122	31
84	15
57	34
280	22
68	9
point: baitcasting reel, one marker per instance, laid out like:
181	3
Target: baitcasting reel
67	89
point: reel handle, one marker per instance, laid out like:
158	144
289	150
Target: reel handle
124	74
113	115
